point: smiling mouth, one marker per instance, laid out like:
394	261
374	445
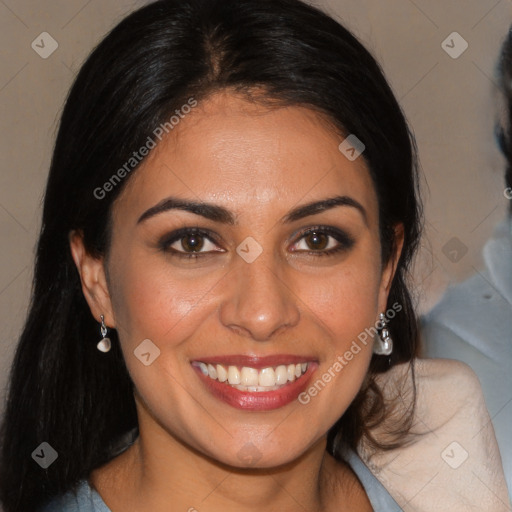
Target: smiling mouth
250	379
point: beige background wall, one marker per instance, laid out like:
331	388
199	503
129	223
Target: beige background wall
451	105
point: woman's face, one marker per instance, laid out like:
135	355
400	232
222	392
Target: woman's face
246	244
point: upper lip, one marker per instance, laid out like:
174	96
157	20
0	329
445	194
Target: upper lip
256	361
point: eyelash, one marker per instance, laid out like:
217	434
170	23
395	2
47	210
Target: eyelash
345	242
179	234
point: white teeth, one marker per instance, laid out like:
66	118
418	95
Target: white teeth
233	375
249	376
291	372
212	372
267	377
256	389
203	368
281	375
251	379
222	374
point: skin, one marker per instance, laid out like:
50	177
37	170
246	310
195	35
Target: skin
258	163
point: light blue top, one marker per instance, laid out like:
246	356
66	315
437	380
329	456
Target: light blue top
88	500
473	323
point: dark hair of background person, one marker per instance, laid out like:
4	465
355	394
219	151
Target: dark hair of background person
504	128
62	389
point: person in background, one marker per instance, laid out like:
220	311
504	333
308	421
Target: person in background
473	321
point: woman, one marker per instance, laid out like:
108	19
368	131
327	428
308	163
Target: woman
232	205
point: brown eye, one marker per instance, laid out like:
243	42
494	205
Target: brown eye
187	242
316	241
323	240
192	242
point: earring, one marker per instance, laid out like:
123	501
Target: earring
383	345
104	344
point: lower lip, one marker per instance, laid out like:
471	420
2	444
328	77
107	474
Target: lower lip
258	401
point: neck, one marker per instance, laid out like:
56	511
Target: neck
158	469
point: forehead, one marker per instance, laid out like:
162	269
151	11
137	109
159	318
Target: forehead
241	154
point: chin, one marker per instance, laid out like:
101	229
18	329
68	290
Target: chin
260	455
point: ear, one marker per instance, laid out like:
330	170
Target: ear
93	278
388	272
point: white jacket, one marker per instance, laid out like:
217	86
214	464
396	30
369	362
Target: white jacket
451	462
473	323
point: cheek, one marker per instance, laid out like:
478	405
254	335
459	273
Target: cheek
346	301
347	309
154	301
346	304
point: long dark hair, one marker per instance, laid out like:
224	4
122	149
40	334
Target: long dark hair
504	128
62	389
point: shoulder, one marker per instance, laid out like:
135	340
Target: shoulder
433	368
443	392
438	374
81	499
429	377
451	454
448	395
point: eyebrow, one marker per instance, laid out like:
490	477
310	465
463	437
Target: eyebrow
323	205
219	214
207	210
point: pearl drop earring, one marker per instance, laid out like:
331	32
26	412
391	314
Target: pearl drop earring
104	345
383	345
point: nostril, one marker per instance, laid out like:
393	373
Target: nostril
242	331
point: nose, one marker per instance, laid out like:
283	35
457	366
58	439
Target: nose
259	303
